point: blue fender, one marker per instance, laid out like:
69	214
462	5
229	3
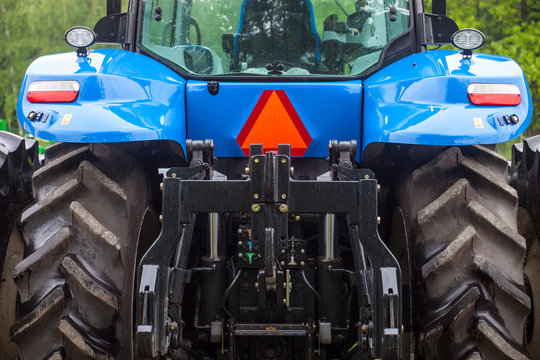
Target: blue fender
124	96
422	99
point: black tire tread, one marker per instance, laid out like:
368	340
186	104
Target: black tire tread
489	158
84	278
57	355
80	341
468	256
76	243
53	174
46	305
475	356
18	160
81	215
58	243
60	149
53	200
497	341
525	177
499	280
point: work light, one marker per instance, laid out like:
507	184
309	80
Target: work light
468	40
80	37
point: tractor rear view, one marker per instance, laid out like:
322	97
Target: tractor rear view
286	179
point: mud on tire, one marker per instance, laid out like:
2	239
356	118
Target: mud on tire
467	268
75	283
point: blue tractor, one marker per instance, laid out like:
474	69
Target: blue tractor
271	179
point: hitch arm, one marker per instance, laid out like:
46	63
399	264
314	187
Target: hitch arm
153	277
385	299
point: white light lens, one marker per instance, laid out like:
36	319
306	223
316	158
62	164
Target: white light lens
80	37
506	89
468	39
66	85
53	91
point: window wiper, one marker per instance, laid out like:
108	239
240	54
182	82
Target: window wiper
275	69
242	74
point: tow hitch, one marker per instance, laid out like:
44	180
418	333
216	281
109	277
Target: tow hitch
269	195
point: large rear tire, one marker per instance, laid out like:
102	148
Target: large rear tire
18	160
467	255
75	284
525	177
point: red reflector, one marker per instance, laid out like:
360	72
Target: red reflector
51	96
494	94
53	91
495	99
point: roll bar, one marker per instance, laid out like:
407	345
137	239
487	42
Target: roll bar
114	7
438	7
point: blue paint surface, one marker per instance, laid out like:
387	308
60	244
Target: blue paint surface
422	99
328	110
124	96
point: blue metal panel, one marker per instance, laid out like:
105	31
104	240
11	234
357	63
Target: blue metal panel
329	110
124	96
422	99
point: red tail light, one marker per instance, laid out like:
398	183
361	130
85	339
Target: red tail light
53	91
494	94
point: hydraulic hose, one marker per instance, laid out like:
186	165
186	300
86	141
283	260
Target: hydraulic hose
317	295
228	292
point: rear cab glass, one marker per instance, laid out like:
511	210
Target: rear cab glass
272	37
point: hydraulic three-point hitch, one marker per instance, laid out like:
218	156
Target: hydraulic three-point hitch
298	303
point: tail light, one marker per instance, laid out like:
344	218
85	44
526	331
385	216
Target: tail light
53	91
494	94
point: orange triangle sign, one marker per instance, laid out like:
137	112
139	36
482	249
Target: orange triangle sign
274	121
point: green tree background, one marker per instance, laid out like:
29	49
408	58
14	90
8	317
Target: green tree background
32	28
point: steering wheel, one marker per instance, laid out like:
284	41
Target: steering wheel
193	22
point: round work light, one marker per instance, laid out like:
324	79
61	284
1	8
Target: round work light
80	37
468	39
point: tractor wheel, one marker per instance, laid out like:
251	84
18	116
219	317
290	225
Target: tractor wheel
18	160
75	283
469	299
525	176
